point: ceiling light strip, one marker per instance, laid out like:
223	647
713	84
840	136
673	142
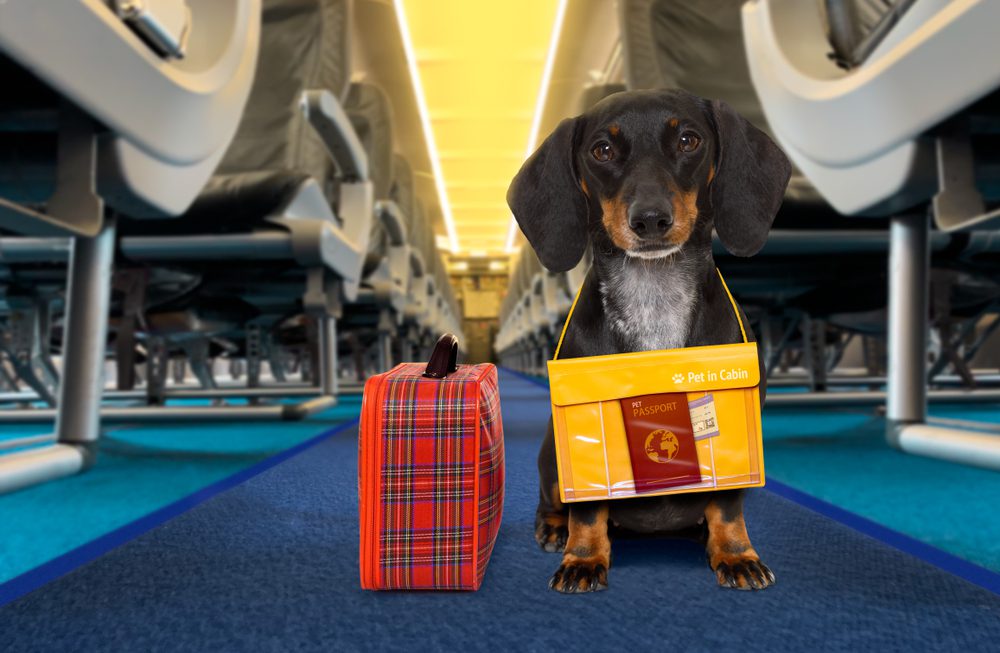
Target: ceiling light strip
425	121
543	94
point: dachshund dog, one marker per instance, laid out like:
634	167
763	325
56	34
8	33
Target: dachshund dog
642	179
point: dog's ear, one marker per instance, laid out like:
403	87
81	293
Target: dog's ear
548	203
751	174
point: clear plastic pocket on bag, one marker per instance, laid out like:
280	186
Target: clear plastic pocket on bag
653	423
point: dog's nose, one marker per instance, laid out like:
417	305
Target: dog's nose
649	223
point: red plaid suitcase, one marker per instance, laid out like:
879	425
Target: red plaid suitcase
430	474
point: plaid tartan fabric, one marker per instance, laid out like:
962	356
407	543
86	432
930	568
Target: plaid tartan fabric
438	515
491	470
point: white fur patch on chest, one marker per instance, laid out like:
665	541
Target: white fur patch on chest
649	306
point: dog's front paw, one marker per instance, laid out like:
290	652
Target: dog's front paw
744	573
580	575
551	532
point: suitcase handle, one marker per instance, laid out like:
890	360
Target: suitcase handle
444	358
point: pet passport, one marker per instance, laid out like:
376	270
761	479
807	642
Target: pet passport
657	422
430	474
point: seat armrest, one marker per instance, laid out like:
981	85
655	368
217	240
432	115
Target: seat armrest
327	117
392	218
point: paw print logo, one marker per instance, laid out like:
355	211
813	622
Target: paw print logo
678	378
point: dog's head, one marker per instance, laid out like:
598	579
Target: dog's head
645	170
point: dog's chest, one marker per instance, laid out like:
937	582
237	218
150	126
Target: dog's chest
648	310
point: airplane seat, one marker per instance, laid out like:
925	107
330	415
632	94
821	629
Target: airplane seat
416	310
412	308
538	325
901	119
86	142
889	143
28	122
370	112
387	265
286	219
854	27
831	63
190	79
426	311
295	164
503	341
594	93
433	286
402	191
447	318
305	45
533	273
521	335
700	47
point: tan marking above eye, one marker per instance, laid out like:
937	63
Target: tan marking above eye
673	122
614	130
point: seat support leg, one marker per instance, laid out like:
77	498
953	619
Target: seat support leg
906	409
328	355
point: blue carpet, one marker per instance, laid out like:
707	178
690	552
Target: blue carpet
841	456
272	565
140	469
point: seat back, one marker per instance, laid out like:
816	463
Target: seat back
370	112
305	45
696	46
594	93
402	192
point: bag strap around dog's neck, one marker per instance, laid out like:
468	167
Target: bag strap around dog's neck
572	307
736	309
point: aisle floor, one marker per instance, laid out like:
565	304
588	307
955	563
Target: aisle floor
271	564
141	469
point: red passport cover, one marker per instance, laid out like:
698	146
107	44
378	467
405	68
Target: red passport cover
660	441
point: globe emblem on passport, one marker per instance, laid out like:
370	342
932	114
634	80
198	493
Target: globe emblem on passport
662	446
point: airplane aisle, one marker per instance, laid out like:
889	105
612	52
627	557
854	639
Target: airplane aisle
271	564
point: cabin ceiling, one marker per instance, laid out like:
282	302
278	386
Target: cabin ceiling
479	66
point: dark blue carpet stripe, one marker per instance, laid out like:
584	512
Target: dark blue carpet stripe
272	564
971	572
64	564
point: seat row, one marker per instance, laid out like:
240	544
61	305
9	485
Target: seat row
818	293
205	202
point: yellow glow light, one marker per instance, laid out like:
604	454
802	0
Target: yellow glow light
543	94
481	66
425	121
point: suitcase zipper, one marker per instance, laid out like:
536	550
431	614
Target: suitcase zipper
373	475
366	553
370	445
365	483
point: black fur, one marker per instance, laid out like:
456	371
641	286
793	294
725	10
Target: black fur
547	186
751	177
738	177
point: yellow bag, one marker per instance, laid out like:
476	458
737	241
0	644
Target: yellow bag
593	435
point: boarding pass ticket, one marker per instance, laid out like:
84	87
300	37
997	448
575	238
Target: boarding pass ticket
704	422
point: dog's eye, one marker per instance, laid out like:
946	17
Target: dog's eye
688	142
603	152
